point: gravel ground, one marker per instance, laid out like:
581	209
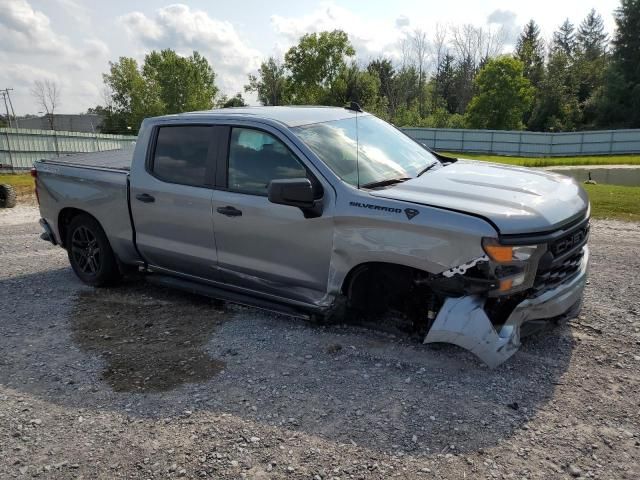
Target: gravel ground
143	382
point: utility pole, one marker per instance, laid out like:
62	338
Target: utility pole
7	96
4	97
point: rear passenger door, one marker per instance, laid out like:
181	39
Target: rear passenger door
269	248
171	199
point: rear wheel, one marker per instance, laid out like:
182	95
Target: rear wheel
90	254
7	196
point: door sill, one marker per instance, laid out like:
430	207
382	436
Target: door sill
177	281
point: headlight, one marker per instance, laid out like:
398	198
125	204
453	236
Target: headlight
507	253
513	265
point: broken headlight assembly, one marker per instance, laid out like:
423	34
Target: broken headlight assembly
514	266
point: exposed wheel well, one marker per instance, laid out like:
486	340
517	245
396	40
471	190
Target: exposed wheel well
376	288
65	217
395	270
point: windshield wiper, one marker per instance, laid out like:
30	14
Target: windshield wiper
384	183
426	169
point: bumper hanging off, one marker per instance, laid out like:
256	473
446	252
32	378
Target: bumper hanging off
463	321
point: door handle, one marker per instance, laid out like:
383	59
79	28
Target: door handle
145	197
229	211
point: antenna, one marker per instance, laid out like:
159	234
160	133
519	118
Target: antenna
357	149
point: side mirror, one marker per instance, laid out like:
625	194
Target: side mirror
296	192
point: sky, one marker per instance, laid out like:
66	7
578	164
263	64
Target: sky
71	42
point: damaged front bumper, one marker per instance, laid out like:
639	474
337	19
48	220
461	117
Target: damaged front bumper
463	321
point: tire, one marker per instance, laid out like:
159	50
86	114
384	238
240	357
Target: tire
90	254
7	196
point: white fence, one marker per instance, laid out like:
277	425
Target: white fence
20	147
529	144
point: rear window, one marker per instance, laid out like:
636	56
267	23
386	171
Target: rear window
181	154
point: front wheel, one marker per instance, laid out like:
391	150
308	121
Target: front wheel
90	254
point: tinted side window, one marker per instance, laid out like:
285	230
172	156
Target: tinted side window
181	154
256	158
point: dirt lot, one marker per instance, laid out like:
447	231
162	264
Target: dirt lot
142	382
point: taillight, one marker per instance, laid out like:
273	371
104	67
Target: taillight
34	174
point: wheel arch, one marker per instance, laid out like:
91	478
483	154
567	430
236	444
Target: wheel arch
65	217
359	273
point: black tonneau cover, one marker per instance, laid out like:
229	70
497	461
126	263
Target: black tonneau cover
113	159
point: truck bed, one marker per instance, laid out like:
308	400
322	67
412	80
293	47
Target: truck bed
111	159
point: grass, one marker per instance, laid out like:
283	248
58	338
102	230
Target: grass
22	182
554	161
614	201
607	201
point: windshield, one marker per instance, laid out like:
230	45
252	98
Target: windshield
384	152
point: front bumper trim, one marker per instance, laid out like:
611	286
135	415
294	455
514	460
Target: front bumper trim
463	321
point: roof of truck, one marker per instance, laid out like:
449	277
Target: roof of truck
291	116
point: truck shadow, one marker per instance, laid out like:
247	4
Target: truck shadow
164	352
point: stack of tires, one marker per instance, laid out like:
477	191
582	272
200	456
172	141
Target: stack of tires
7	196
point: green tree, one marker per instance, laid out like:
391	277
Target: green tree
619	101
464	73
184	83
445	84
271	84
564	39
315	63
626	42
235	101
503	95
557	108
353	84
166	83
133	97
530	51
383	69
592	38
591	64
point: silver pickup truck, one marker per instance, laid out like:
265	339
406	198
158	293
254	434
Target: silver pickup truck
318	211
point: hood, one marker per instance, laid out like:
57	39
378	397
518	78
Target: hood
515	199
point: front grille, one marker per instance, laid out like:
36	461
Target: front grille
562	259
559	272
569	242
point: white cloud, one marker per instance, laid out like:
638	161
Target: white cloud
139	25
95	48
183	29
369	37
402	21
507	21
31	49
20	74
23	29
502	17
79	13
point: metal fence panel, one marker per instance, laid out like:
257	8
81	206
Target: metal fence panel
20	147
535	144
